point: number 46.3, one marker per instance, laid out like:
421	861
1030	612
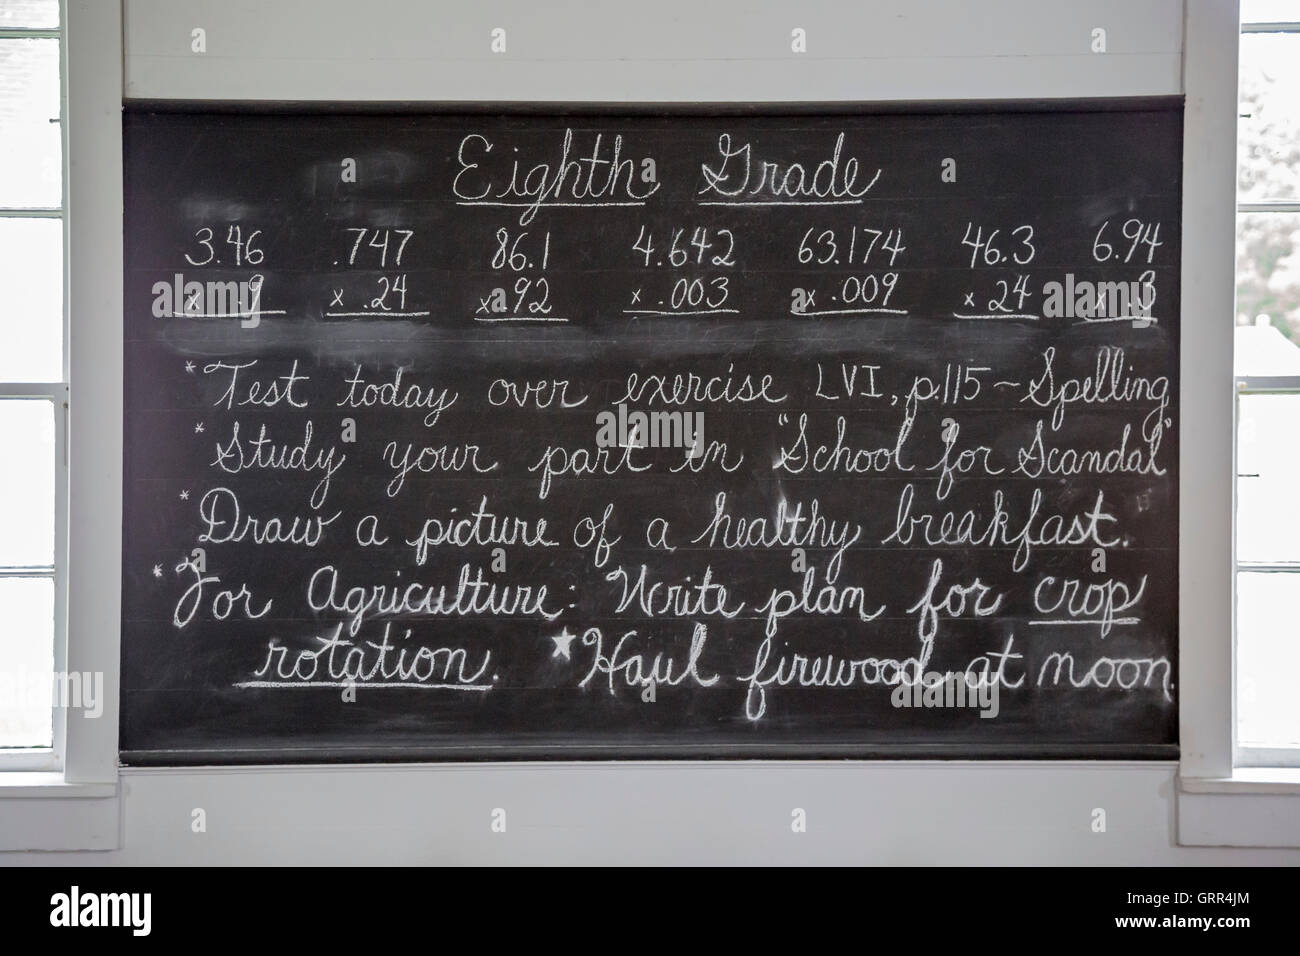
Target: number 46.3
989	251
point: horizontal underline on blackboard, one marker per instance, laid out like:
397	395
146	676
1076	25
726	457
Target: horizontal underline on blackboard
331	683
675	312
779	202
520	318
227	315
379	314
545	205
1118	620
854	312
1149	319
997	315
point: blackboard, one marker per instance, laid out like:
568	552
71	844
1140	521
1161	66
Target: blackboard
562	434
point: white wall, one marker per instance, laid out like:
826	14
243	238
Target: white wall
665	50
670	50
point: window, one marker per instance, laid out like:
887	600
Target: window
1267	369
33	383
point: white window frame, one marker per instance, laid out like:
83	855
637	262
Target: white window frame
66	798
1220	803
1261	385
56	393
1207	465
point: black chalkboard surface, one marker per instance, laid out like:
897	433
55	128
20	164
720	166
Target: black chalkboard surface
651	434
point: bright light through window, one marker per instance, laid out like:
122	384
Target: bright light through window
1267	365
33	386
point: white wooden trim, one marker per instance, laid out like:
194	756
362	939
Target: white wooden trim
1206	400
94	269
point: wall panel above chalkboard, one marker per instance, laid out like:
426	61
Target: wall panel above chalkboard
651	434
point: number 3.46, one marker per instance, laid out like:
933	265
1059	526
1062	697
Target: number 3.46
246	250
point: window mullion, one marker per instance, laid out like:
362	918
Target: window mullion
1275	26
1263	384
31	33
53	391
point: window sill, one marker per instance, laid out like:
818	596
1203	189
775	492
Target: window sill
1247	780
1255	807
43	811
23	784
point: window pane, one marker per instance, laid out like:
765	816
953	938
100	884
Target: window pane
31	300
1268	294
26	662
26	483
1268	658
1268	470
39	14
1268	146
31	159
1269	11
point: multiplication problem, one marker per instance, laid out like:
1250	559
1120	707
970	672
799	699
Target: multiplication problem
850	248
237	294
373	249
521	259
685	247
